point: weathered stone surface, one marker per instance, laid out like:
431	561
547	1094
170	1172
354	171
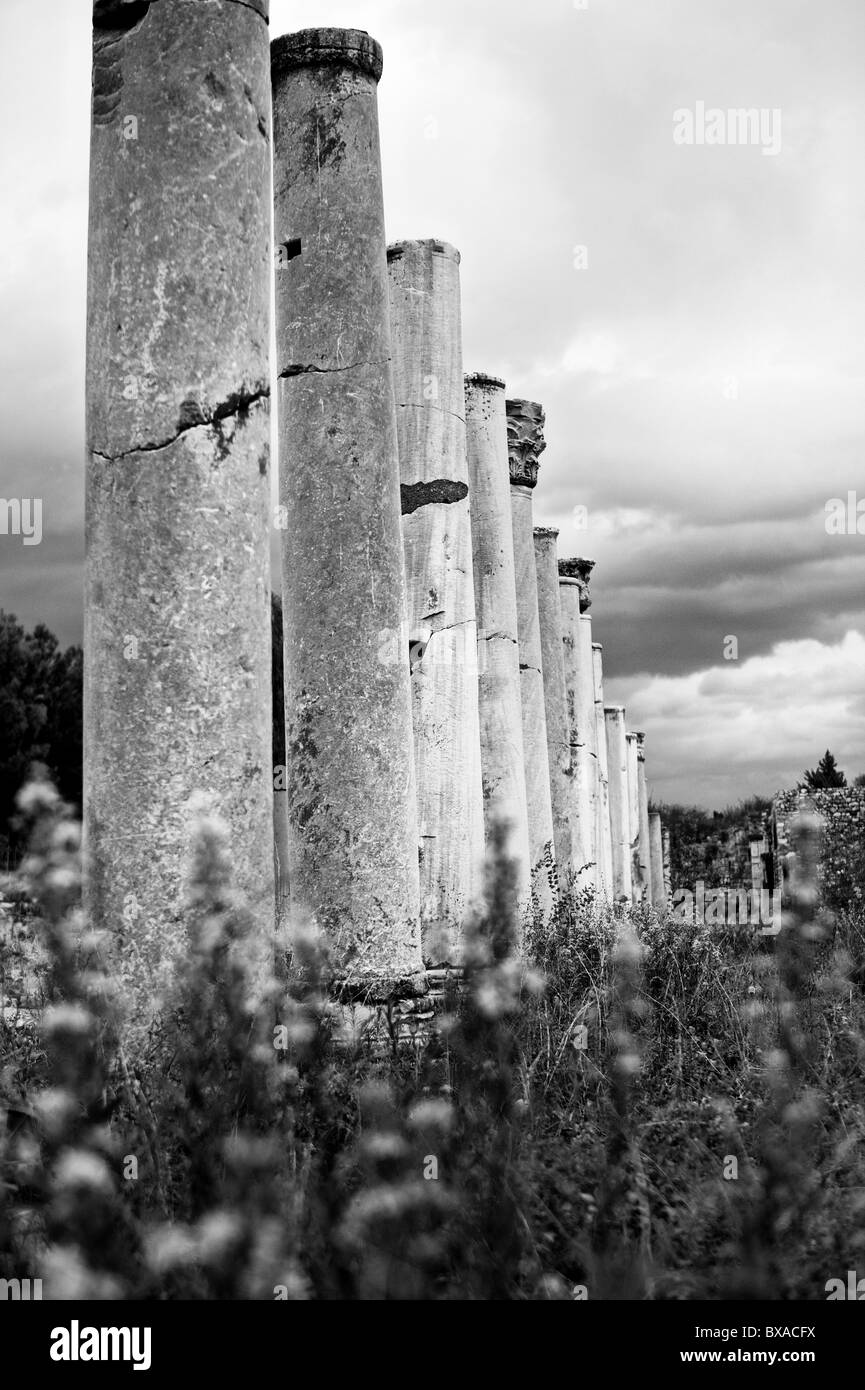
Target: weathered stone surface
526	441
525	444
603	837
668	880
580	570
644	847
424	289
351	787
580	686
637	885
499	704
562	766
656	844
620	822
177	588
841	871
280	853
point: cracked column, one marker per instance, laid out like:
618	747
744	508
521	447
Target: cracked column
645	851
499	708
177	580
603	838
559	751
574	575
525	420
351	791
620	830
424	284
656	845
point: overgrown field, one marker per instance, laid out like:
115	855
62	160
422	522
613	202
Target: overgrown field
632	1108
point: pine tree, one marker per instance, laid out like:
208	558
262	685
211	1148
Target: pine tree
825	774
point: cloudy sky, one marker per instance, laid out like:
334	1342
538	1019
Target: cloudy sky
690	315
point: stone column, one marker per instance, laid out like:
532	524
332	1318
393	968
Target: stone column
758	849
645	855
177	578
668	881
580	688
352	811
499	707
559	752
280	849
620	824
656	844
280	785
525	445
603	839
637	885
424	284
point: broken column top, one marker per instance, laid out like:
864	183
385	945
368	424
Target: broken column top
580	571
597	646
119	15
327	48
396	249
526	440
546	532
484	379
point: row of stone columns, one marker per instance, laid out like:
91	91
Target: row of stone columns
440	674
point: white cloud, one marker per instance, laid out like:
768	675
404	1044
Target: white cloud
750	726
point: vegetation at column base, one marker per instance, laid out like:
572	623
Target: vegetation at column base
41	720
645	1110
42	716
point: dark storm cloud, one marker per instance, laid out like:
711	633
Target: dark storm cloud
689	316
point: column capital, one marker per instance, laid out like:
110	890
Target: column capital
419	245
526	440
314	48
580	570
484	380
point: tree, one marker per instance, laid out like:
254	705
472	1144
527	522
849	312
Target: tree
40	714
825	774
860	780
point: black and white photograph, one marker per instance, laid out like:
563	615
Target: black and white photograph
432	673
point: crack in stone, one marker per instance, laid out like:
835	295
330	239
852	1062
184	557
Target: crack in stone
114	20
504	637
437	490
449	627
239	403
413	405
298	369
301	369
247	5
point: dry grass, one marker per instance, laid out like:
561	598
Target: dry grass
677	1114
